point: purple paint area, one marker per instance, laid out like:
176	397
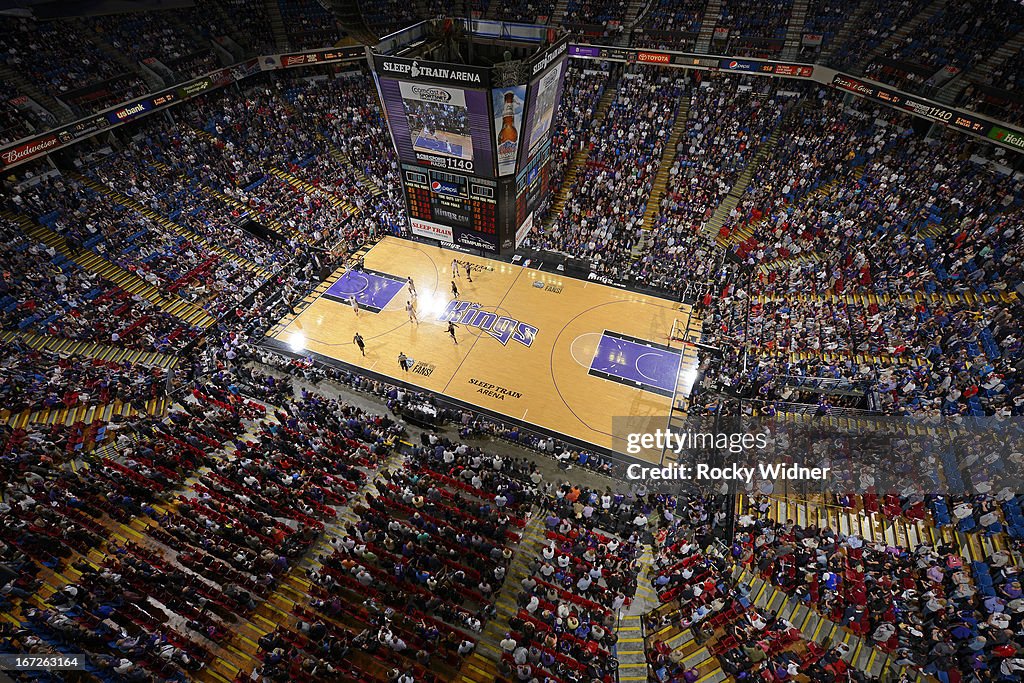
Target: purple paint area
439	146
371	291
637	363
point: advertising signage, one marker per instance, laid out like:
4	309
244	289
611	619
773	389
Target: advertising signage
1007	137
431	72
288	61
129	112
654	57
30	149
541	61
919	107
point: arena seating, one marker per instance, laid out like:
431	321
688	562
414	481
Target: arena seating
755	30
308	24
64	300
36	380
710	155
182	504
950	41
601	219
871	26
825	18
671	24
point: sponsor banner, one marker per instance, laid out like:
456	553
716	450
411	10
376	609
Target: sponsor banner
443	187
584	51
798	70
433	93
1007	137
507	104
545	59
340	54
30	149
163	99
545	94
196	87
812	39
925	109
739	65
129	112
476	240
436	72
654	57
721	33
434	231
19	101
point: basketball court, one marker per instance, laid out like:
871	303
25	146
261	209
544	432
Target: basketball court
540	349
444	142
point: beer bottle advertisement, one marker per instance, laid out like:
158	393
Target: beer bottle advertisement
508	122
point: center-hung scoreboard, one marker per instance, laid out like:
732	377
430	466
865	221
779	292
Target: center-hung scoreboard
473	143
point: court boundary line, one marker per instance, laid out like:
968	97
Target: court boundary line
642	386
619	458
275	343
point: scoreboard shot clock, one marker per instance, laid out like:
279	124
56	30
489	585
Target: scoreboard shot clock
468	133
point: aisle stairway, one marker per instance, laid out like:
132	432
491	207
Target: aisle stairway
795	30
745	231
61	415
898	37
736	193
505	599
313	191
277	24
365	181
844	32
30	87
817	628
667	157
693	655
629	649
707	26
952	89
104	352
558	13
579	159
244	210
130	282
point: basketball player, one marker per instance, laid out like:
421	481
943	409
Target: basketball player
355	305
455	290
403	360
358	341
455	268
451	331
412	286
411	310
469	271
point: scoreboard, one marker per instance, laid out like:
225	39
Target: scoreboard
452	207
473	146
